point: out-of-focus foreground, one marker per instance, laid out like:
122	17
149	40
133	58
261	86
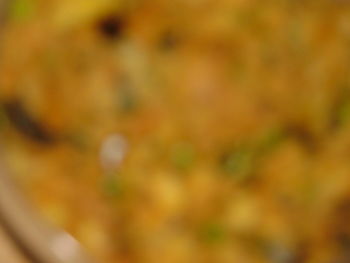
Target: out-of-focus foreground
178	131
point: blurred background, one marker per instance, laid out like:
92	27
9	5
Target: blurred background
209	131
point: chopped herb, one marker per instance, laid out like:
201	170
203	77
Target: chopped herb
343	113
271	140
111	186
182	156
21	9
239	162
213	233
127	100
340	112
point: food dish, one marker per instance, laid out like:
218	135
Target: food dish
183	131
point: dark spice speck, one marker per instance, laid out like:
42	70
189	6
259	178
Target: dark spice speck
111	27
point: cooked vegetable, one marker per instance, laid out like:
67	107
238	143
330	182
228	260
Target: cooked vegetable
206	131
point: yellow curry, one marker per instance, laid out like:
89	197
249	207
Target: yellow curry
202	131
